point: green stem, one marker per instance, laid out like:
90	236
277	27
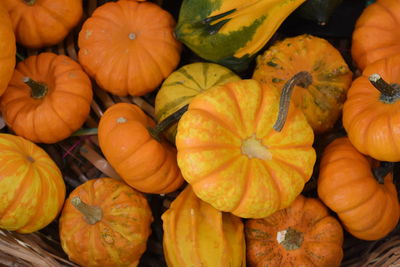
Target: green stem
302	79
39	90
384	169
29	2
164	124
19	56
91	214
389	92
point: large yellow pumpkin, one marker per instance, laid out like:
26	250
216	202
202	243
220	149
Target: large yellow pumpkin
32	190
234	159
7	49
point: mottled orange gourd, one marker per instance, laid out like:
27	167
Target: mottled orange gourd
376	33
47	99
40	23
303	234
322	100
7	49
371	113
196	234
234	159
32	190
368	208
128	47
143	162
104	222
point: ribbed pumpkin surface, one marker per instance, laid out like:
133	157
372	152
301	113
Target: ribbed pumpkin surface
119	238
234	159
7	49
32	189
184	84
198	235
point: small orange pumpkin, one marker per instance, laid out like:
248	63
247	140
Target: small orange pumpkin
371	113
367	208
128	47
47	99
32	190
7	49
143	162
375	35
234	159
301	235
39	23
105	223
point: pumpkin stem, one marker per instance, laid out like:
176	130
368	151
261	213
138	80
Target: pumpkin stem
38	89
91	214
164	124
290	238
29	2
302	79
389	92
383	170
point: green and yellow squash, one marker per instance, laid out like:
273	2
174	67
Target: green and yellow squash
184	84
231	32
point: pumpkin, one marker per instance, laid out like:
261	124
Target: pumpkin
304	234
368	208
104	222
231	32
40	23
196	234
47	99
7	50
145	163
322	101
371	111
234	159
184	84
126	55
375	33
318	11
32	190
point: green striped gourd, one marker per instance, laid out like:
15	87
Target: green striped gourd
184	84
231	32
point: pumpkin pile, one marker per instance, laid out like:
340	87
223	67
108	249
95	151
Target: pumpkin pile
234	142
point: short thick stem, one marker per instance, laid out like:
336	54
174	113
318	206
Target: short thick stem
290	239
91	214
29	2
38	89
164	124
389	92
384	169
302	79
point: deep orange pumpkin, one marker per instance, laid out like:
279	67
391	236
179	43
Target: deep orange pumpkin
105	223
32	190
39	23
367	208
376	33
47	99
143	162
371	113
301	235
128	47
7	50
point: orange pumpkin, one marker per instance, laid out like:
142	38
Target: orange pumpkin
367	208
234	159
375	35
322	100
126	55
32	190
47	99
143	162
301	235
371	113
196	234
7	50
39	23
105	223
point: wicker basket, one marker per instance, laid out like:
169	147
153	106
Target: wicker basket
80	159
